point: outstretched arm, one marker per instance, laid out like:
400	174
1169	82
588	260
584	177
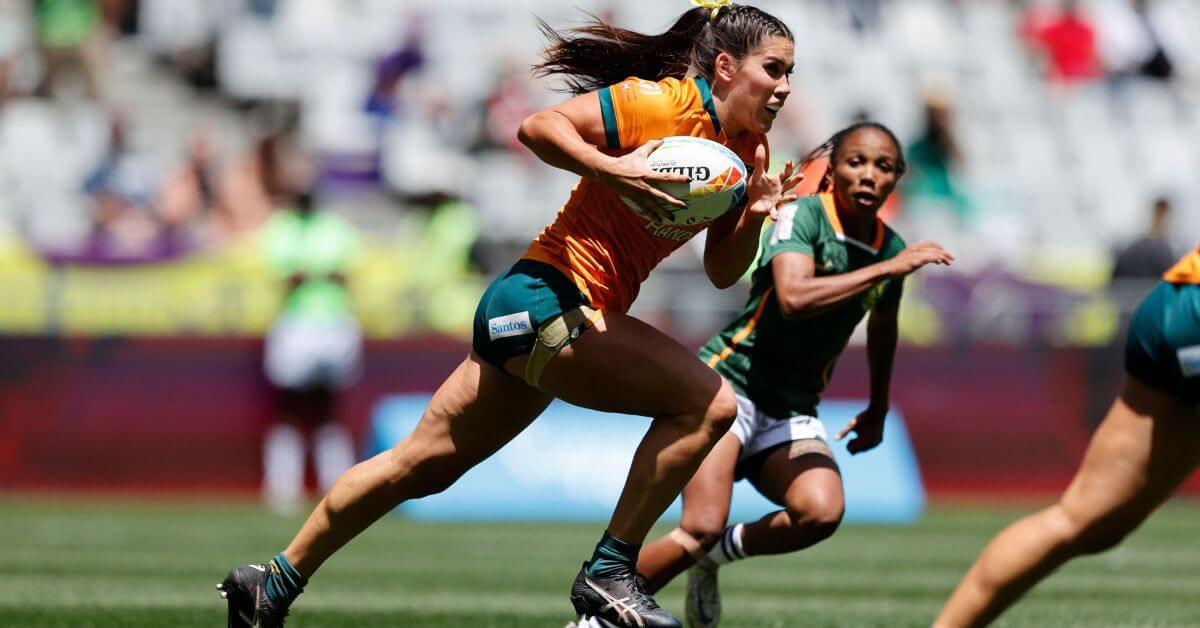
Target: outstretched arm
801	293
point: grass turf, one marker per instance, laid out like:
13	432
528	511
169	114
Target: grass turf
100	563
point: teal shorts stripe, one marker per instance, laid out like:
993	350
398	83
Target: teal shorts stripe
609	114
1163	346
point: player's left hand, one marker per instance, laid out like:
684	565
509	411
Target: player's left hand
767	193
868	428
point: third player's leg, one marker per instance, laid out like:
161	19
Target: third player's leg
625	365
705	511
802	477
1142	451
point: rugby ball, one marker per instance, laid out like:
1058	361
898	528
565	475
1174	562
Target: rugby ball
718	178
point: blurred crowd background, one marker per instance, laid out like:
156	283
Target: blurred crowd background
227	224
144	144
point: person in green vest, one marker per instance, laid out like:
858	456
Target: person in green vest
313	349
827	262
68	34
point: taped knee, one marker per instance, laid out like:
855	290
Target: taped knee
690	544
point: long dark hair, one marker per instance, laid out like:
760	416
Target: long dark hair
832	145
598	54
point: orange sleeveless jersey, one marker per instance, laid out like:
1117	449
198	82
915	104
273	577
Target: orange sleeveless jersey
1187	270
597	241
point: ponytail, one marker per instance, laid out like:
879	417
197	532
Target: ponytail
597	54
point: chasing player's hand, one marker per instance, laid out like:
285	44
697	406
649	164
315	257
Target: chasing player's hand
917	256
767	193
631	177
868	430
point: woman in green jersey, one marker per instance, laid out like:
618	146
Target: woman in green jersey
827	261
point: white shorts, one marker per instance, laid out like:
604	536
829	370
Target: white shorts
309	354
758	432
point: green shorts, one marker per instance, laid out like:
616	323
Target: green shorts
530	303
1163	346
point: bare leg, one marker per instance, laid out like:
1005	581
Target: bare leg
474	413
803	477
1146	446
705	510
625	365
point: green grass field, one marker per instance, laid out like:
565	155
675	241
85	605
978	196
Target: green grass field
93	563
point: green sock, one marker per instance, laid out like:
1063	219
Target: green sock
284	583
613	556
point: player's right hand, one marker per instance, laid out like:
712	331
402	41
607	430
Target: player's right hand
916	256
630	176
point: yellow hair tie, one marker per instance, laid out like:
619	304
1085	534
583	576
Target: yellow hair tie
715	5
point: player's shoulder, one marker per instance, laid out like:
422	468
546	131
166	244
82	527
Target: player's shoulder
798	217
808	210
634	88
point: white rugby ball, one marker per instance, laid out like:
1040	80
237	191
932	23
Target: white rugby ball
718	178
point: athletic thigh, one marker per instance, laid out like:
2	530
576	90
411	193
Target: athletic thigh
1146	446
474	413
624	365
799	474
706	496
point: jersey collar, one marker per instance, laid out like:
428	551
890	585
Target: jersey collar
706	96
831	214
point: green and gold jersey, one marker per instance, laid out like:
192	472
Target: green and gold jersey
785	365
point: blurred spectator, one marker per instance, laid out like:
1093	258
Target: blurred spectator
272	171
189	192
1066	40
1149	256
391	70
507	104
313	350
70	33
438	241
934	158
126	203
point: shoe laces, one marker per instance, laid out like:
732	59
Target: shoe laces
637	591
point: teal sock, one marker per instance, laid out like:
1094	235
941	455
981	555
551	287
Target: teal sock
613	556
284	583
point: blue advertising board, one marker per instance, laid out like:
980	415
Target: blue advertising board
571	463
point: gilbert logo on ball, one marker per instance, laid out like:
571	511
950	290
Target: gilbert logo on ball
717	178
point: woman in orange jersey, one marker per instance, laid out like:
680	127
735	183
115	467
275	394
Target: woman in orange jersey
1143	450
555	324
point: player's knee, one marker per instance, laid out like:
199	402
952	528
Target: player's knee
722	410
1088	535
428	475
817	514
706	528
1097	536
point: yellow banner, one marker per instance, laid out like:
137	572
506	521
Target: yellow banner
224	292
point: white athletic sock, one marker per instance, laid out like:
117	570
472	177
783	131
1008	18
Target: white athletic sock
283	467
333	453
729	548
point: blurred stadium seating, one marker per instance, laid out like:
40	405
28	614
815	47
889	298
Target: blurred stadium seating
392	111
399	100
